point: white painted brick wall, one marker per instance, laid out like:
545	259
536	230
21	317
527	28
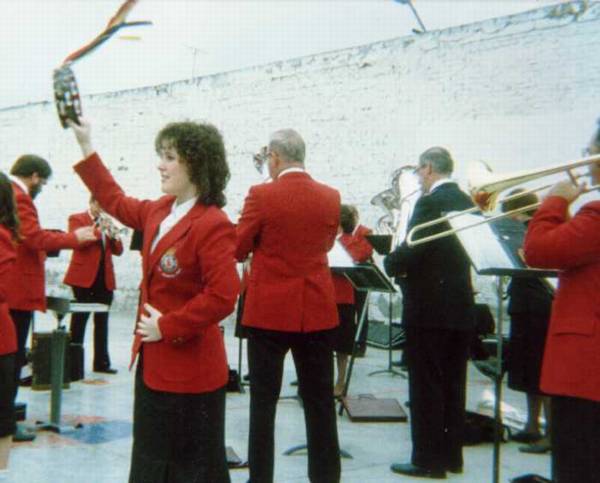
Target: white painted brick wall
519	91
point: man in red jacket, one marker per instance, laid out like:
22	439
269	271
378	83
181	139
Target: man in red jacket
289	225
571	367
92	277
26	289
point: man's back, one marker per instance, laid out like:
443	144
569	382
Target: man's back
438	278
289	226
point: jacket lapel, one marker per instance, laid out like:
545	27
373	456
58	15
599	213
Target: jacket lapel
174	234
152	230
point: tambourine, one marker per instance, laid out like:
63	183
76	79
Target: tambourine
66	95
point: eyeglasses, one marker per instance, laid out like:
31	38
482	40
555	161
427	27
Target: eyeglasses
590	151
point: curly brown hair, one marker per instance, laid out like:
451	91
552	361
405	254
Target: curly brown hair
8	211
201	148
348	218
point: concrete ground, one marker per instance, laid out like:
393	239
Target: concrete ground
99	451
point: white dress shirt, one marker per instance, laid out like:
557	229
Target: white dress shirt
177	213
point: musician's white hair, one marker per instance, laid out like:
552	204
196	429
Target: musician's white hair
439	158
288	144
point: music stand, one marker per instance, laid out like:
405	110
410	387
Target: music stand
383	245
367	277
61	307
494	249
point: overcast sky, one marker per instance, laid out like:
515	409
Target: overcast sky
197	37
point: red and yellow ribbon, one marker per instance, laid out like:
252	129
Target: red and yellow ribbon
116	23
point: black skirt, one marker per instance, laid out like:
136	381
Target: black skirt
343	338
178	438
7	394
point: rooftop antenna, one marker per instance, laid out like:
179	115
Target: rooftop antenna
412	7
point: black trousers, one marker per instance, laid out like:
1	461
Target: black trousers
575	441
7	394
22	320
97	293
437	368
313	358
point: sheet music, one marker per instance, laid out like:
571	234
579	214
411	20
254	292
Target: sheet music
481	244
88	307
339	257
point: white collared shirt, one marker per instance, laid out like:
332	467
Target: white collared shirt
291	170
439	183
177	213
19	183
102	236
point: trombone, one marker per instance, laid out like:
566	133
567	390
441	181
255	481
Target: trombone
486	197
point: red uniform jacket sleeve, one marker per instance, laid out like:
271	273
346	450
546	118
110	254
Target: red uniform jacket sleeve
34	237
249	226
8	255
357	245
554	241
129	211
75	222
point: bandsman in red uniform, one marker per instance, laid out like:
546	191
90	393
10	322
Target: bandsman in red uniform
189	284
92	276
571	366
9	235
289	225
347	298
27	285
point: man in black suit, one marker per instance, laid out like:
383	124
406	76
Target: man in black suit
439	318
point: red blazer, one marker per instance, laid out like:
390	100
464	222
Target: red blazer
190	277
344	292
357	245
572	356
289	225
8	255
27	285
361	251
85	260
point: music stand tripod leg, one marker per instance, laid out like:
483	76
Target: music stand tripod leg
390	369
301	447
241	378
498	381
361	322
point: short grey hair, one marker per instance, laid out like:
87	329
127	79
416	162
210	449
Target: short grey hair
288	144
439	158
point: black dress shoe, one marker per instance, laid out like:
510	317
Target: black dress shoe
409	469
22	435
26	381
360	350
526	437
400	364
456	469
106	370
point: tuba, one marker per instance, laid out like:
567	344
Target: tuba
397	202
